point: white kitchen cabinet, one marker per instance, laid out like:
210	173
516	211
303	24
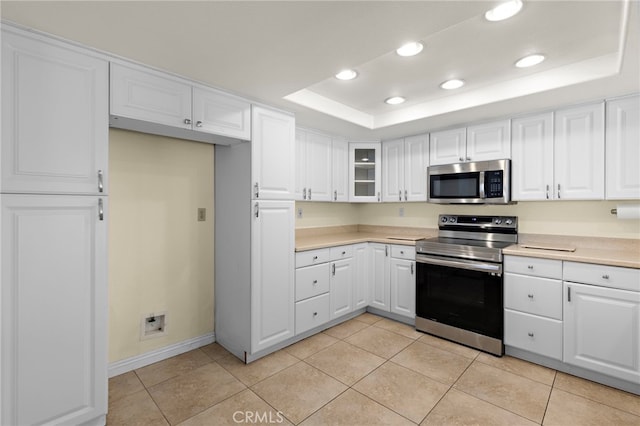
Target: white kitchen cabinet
448	146
579	153
313	166
379	276
272	273
365	172
489	141
402	281
342	274
532	158
272	154
141	95
404	169
486	141
53	309
54	117
623	148
360	276
602	330
340	169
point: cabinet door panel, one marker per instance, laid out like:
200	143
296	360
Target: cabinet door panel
448	147
54	118
532	158
272	154
361	276
393	170
54	309
341	288
300	185
579	153
379	276
602	330
272	273
340	170
623	148
489	141
365	172
221	114
318	167
403	287
416	161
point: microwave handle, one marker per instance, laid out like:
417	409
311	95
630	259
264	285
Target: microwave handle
481	183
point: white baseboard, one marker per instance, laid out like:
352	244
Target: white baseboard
138	361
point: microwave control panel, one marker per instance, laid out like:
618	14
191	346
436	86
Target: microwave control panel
493	183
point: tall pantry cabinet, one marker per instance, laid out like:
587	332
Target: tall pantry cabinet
254	237
53	196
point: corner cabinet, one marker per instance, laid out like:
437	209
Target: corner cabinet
365	172
53	200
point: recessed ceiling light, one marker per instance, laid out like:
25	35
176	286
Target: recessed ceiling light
529	61
395	100
410	49
504	11
346	75
452	84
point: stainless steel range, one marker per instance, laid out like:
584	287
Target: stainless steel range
459	280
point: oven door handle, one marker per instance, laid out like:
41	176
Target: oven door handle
460	263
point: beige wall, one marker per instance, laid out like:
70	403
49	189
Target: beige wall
160	256
583	218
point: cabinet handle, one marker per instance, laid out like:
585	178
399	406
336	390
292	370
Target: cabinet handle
335	195
256	187
468	158
100	209
605	277
411	268
187	121
558	191
530	296
304	193
530	334
400	195
378	196
100	183
547	192
257	210
198	123
333	269
386	251
461	159
309	193
405	195
568	294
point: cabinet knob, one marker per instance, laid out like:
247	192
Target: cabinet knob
401	251
198	123
529	266
344	252
530	296
461	159
315	257
315	282
605	277
187	121
530	334
315	314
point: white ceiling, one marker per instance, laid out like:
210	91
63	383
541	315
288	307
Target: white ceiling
268	50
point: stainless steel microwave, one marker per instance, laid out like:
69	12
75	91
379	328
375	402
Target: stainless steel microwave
479	182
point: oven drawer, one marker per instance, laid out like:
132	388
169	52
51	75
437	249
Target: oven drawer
546	268
312	313
403	252
312	257
602	275
312	281
341	252
533	333
533	295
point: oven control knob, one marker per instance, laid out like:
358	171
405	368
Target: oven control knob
452	219
497	221
444	220
508	222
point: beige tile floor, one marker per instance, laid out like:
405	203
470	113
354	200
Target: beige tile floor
366	371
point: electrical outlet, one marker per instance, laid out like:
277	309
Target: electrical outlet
299	212
401	212
202	214
153	325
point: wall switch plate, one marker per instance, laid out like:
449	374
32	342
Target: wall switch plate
401	212
202	214
299	212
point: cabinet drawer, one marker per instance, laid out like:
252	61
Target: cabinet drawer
341	252
403	252
533	295
534	334
312	257
533	266
606	276
312	281
312	312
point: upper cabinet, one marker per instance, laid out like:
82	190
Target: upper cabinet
579	153
364	172
404	169
623	148
313	166
142	98
54	118
340	169
487	141
272	154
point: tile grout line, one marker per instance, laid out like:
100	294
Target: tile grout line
546	407
164	416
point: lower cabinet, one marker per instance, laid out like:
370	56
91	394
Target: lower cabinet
379	276
392	278
341	287
312	312
360	276
53	309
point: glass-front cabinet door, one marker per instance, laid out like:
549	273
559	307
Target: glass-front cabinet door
365	172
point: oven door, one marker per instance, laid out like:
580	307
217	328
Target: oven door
460	293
